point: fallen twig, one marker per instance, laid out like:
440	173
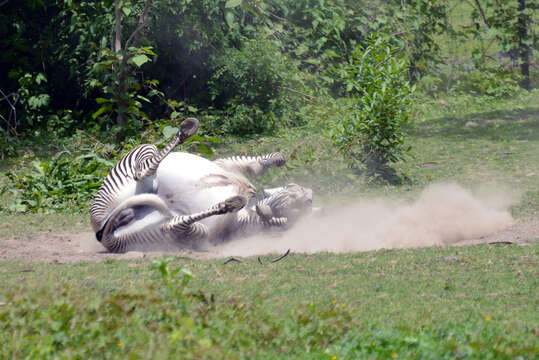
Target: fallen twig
281	257
233	259
502	242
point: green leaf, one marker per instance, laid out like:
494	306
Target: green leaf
212	139
232	3
169	131
101	110
148	50
139	60
40	78
143	98
203	149
126	10
229	18
35	102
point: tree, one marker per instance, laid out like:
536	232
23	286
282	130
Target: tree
119	65
510	22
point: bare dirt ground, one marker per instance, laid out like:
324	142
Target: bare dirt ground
70	247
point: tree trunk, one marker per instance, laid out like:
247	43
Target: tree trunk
122	102
523	48
121	90
121	95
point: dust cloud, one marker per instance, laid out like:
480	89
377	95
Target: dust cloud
444	214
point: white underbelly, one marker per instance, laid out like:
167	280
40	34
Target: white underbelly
190	183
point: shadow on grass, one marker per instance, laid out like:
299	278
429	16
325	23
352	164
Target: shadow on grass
522	124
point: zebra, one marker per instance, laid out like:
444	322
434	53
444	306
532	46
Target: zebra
153	198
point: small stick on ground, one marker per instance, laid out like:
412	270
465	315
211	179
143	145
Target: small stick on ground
233	259
281	257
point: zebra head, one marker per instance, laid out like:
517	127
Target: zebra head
290	201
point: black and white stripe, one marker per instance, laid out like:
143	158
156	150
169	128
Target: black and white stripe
252	165
145	239
137	165
250	222
187	225
119	179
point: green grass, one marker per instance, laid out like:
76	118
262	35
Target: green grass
432	303
465	139
474	302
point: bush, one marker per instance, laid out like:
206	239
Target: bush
491	82
372	135
63	183
249	84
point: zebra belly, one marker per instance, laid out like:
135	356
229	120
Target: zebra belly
190	183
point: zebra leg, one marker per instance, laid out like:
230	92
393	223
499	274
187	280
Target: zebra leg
251	221
147	166
266	216
187	226
252	165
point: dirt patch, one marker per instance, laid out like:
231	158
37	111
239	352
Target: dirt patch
68	247
522	233
64	248
442	215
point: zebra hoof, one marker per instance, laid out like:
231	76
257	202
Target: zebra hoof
264	212
278	159
188	128
234	203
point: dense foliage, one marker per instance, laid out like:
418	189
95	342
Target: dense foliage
63	183
115	69
246	63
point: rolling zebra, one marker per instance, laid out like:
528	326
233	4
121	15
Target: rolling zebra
162	198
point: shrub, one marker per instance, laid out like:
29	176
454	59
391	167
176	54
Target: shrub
249	84
496	83
372	135
60	184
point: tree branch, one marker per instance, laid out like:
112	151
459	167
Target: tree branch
480	8
117	27
271	14
11	121
141	23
